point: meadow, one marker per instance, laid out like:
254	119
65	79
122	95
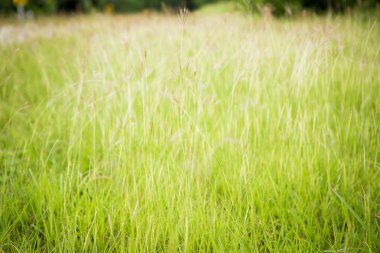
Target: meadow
197	132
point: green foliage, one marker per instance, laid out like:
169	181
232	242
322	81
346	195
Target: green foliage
145	134
338	5
279	6
6	7
48	6
282	6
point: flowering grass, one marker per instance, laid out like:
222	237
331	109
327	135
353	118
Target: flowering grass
218	133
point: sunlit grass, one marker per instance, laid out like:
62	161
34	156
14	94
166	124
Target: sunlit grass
195	133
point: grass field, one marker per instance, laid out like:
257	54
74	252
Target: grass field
192	133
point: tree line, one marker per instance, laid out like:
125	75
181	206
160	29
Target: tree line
278	6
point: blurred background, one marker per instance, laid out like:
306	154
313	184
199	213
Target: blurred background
278	7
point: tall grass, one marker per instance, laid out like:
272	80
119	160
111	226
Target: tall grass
217	134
